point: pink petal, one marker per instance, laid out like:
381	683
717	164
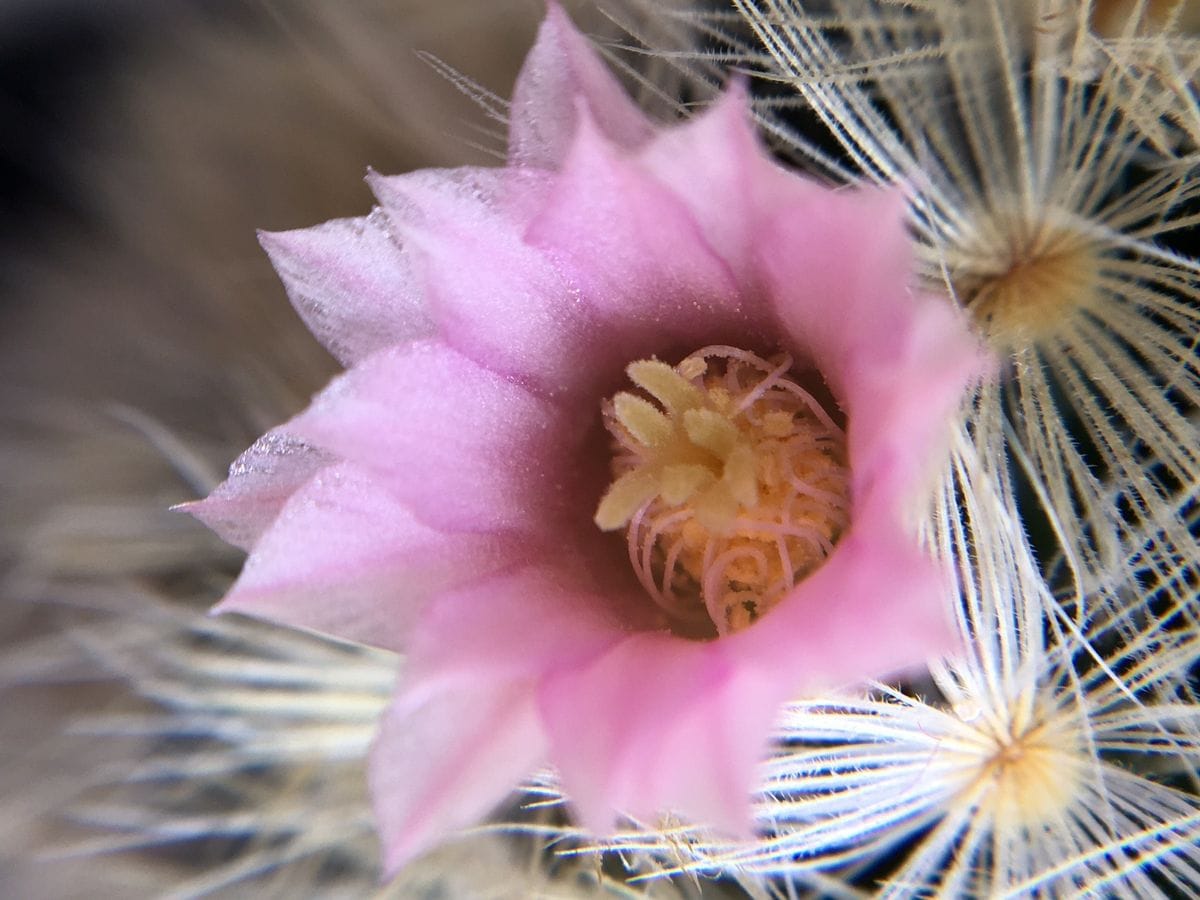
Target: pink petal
466	449
715	165
877	607
508	307
443	761
840	269
260	481
660	723
351	284
518	625
639	258
904	403
498	201
465	727
345	558
562	68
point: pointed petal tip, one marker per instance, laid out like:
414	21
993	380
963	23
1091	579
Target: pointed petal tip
441	764
188	506
561	67
278	243
735	95
291	242
207	511
373	178
557	25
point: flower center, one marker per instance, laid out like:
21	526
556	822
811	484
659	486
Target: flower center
1030	775
1023	280
732	487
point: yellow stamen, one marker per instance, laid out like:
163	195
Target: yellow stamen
731	489
643	419
666	385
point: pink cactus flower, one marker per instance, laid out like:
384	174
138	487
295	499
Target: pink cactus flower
632	441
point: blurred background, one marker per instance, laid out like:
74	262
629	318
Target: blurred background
144	342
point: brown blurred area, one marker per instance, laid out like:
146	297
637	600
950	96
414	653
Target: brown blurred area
196	129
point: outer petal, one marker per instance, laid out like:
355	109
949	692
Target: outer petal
444	760
351	284
465	727
496	299
497	202
638	256
260	481
661	723
561	69
466	449
345	558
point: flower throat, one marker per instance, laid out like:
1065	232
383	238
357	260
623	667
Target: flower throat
731	483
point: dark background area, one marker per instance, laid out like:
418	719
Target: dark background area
55	59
